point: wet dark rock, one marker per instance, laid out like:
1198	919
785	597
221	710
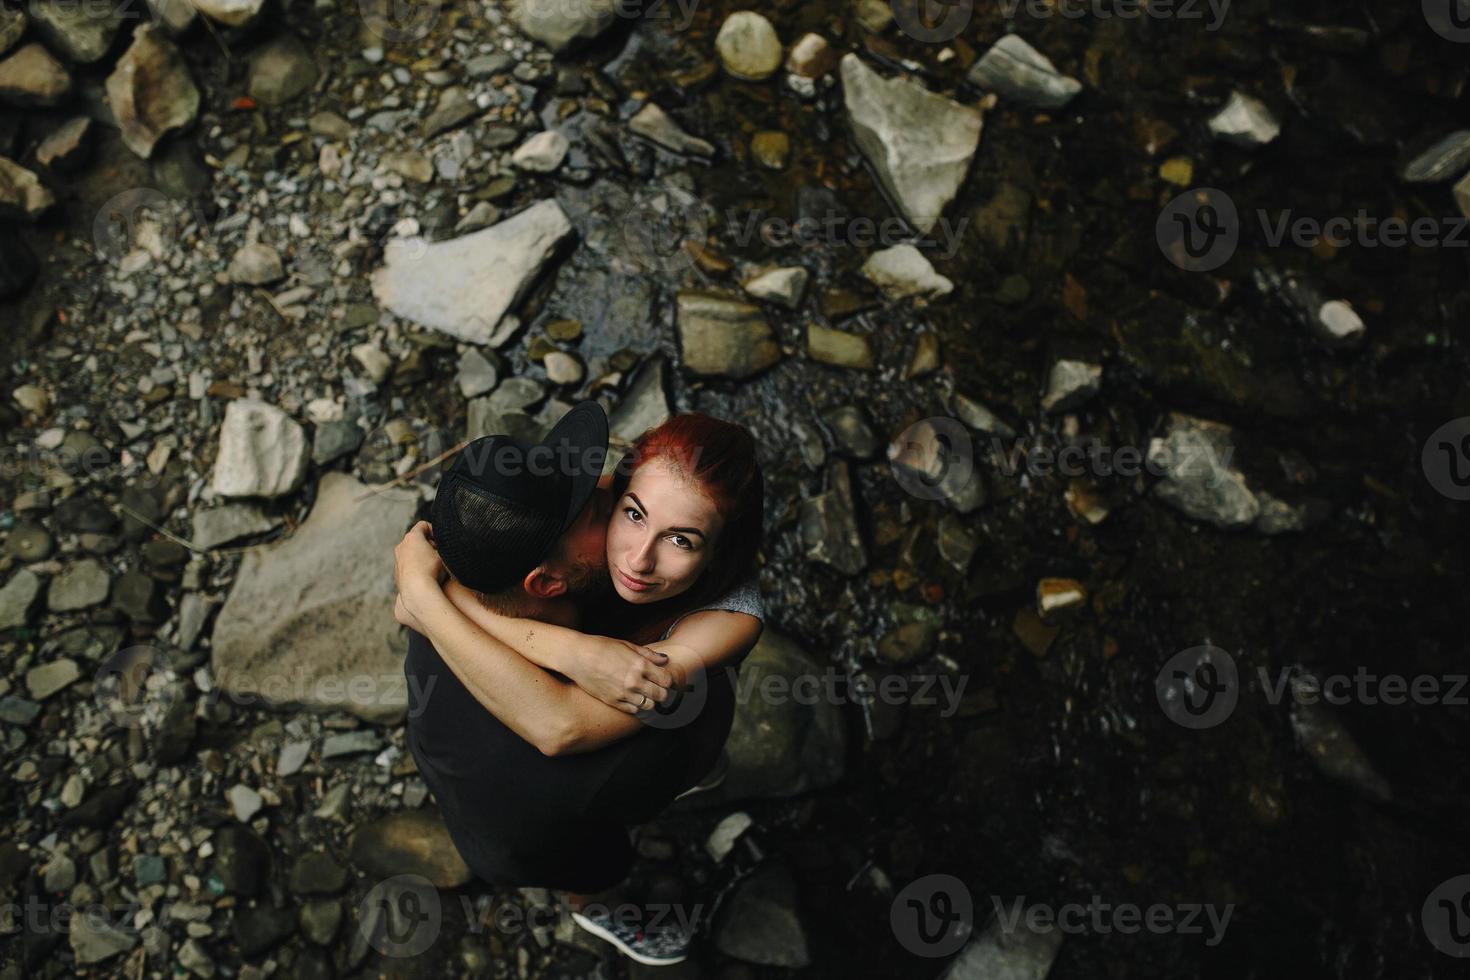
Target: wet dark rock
32	77
18	711
320	919
851	431
260	928
1021	74
165	556
411	842
101	808
762	924
18	599
138	597
829	528
18	264
1195	455
317	873
334	440
281	70
241	861
1329	745
81	513
80	586
83	32
175	735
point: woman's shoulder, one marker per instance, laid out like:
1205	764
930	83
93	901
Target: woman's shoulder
744	597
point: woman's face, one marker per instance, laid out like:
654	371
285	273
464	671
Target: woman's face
661	534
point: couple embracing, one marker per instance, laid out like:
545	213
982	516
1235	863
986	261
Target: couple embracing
574	637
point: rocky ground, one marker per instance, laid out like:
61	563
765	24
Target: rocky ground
261	265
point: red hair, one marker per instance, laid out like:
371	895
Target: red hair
719	458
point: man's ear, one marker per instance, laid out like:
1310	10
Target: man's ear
542	584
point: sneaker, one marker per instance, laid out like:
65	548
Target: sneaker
656	947
711	779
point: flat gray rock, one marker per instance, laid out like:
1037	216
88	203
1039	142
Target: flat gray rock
644	406
464	286
1194	455
761	924
829	528
919	144
652	123
151	92
94	939
563	24
310	620
216	526
724	336
1019	73
80	586
18	599
281	70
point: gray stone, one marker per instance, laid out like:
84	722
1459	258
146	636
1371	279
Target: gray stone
454	109
60	874
563	24
137	596
783	286
83	585
317	608
245	802
1070	385
350	743
18	599
31	78
192	954
829	529
1244	121
65	148
151	92
193	611
217	526
464	286
475	375
1019	73
333	440
542	153
231	13
47	679
1446	158
978	417
761	923
319	920
563	368
903	271
724	336
851	431
94	939
927	462
411	842
260	928
1194	455
83	32
748	46
644	406
292	758
1006	954
149	869
22	195
316	873
652	123
839	348
482	66
18	711
780	747
281	70
262	452
256	265
919	144
174	16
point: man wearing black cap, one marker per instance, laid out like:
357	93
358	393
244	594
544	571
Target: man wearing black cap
524	527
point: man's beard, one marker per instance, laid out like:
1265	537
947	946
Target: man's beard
588	581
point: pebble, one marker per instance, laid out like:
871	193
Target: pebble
1245	121
256	265
542	153
1070	385
839	348
244	802
748	46
563	368
771	149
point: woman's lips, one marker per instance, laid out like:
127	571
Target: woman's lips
632	583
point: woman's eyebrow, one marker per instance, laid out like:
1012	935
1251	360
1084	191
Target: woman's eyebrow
686	530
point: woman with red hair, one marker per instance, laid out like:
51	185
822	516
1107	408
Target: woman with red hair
678	600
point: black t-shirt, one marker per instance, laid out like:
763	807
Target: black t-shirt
519	817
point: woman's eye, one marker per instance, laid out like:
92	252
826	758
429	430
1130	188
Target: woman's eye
632	513
683	542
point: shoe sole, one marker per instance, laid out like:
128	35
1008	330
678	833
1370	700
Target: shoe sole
627	951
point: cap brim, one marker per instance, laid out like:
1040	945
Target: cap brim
581	429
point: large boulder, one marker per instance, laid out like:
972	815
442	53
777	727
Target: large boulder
151	92
919	144
788	736
310	620
465	285
410	842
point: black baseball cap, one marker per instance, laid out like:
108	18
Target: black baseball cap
504	502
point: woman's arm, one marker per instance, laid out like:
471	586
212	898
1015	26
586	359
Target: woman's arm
618	673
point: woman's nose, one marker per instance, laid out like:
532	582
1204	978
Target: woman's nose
641	560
